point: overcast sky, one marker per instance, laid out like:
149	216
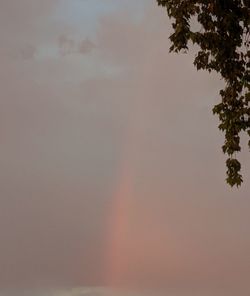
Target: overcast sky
111	171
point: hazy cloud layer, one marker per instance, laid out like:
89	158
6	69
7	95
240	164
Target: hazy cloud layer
118	110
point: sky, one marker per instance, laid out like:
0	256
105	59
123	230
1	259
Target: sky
111	171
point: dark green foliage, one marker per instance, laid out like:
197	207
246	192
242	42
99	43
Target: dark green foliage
223	39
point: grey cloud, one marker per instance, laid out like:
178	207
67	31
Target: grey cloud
86	46
20	52
28	52
68	46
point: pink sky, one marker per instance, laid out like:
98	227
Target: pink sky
110	163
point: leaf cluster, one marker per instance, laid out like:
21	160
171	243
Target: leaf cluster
223	39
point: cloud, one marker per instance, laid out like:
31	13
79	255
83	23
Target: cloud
28	52
85	46
68	46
